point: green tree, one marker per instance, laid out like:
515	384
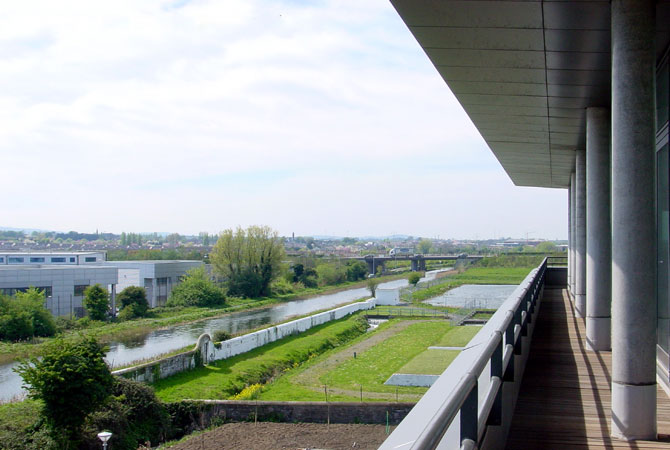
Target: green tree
356	270
196	289
124	238
546	247
72	380
25	316
414	278
372	286
133	297
329	275
96	302
424	246
249	259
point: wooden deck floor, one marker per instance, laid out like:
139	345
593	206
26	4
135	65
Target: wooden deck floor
565	395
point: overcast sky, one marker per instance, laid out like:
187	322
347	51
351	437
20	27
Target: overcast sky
319	117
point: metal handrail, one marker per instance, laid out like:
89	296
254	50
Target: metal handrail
463	398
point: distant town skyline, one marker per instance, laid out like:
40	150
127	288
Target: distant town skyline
320	118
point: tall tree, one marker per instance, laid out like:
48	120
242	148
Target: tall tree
249	259
96	302
425	246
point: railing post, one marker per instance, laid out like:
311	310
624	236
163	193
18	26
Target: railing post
495	417
469	416
509	340
517	321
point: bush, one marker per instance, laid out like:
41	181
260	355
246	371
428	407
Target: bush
247	284
134	415
221	335
414	278
127	313
281	286
330	275
25	316
196	289
72	380
356	270
96	302
136	296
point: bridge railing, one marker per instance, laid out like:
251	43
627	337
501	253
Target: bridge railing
471	404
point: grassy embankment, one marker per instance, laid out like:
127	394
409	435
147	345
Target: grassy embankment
293	366
165	317
345	376
226	378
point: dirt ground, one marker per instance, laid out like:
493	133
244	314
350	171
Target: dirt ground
267	435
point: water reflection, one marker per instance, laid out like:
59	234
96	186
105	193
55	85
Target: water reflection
487	296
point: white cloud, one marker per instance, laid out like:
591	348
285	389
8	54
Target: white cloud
186	116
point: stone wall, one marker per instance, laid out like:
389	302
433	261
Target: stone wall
206	351
310	412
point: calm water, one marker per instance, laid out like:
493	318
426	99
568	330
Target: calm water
125	351
489	296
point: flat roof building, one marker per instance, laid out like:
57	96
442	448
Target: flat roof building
157	277
63	285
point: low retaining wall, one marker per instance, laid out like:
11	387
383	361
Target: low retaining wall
310	412
206	351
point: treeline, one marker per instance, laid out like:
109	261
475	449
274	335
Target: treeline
143	254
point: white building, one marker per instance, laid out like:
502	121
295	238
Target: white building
48	258
63	285
157	277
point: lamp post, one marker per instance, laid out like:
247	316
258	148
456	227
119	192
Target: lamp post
104	437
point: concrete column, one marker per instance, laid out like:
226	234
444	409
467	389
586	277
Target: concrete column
573	255
580	233
570	244
633	221
598	230
154	297
113	300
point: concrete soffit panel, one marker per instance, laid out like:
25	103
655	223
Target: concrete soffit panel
524	72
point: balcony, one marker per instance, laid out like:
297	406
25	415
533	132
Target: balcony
526	381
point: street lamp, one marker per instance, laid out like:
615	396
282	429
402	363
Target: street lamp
104	437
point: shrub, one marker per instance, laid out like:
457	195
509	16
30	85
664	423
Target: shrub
414	278
127	313
72	380
136	296
356	270
328	274
250	392
281	286
96	302
134	415
25	316
221	335
196	289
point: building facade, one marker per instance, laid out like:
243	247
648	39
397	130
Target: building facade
63	285
47	258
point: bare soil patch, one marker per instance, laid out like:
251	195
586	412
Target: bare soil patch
269	435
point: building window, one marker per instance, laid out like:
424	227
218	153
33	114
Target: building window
2	259
91	259
14	260
79	289
72	259
46	290
37	259
58	259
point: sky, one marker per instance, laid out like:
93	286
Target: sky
315	118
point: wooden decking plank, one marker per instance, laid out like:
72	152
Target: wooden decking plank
565	396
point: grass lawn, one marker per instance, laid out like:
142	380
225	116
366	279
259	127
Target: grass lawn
346	376
225	378
458	336
373	367
430	362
